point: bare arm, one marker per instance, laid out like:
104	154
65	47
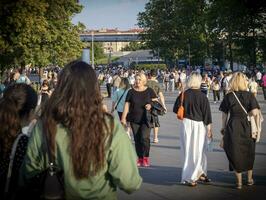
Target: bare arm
125	112
254	112
209	130
162	100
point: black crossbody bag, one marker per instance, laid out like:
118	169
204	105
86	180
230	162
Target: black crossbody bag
49	184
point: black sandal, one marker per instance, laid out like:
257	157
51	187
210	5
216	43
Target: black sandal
203	178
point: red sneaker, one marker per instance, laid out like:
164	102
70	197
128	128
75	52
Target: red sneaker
139	162
146	162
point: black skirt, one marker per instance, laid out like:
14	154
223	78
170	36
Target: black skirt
239	146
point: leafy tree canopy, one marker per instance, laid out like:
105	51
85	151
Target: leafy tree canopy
38	32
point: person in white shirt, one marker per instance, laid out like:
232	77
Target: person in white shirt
253	86
108	79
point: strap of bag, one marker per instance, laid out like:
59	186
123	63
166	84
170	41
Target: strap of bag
11	162
120	99
47	148
240	103
182	98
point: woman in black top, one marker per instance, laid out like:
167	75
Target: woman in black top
237	141
138	102
16	112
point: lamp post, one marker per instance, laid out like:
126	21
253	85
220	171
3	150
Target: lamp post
92	50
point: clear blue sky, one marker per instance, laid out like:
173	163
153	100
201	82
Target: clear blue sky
121	14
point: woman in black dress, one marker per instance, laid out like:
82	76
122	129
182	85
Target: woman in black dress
238	143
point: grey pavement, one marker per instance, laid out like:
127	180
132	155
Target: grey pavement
161	181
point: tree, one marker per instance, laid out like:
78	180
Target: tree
199	29
178	32
38	32
133	46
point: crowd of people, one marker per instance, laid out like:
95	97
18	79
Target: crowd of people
93	148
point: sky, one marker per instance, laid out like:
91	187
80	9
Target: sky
121	14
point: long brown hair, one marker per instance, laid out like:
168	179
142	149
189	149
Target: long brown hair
76	103
17	103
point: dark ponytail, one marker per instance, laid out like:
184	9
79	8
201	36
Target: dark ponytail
17	102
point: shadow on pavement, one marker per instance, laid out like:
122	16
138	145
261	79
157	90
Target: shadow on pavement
163	175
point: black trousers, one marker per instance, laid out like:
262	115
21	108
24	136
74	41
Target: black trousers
264	92
216	93
141	134
109	89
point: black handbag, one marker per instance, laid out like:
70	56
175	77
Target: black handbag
157	108
49	184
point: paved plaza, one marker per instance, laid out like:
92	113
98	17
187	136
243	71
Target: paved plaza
161	181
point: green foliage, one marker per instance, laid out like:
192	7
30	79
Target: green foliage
38	32
134	46
149	66
199	29
177	29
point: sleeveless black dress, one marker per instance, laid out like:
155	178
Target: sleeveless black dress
238	143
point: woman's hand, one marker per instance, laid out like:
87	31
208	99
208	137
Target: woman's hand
148	106
209	133
124	122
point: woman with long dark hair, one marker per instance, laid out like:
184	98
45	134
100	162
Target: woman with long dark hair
16	113
88	144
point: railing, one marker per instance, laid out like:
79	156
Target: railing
110	38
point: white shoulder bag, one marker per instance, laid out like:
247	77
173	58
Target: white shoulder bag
255	129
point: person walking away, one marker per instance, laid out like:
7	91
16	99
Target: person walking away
253	86
23	78
116	81
172	81
154	84
258	76
16	113
238	144
119	98
263	85
216	90
166	79
131	79
226	82
108	79
138	103
195	131
206	84
89	145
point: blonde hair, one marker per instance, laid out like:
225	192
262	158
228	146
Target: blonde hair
143	77
194	80
238	82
